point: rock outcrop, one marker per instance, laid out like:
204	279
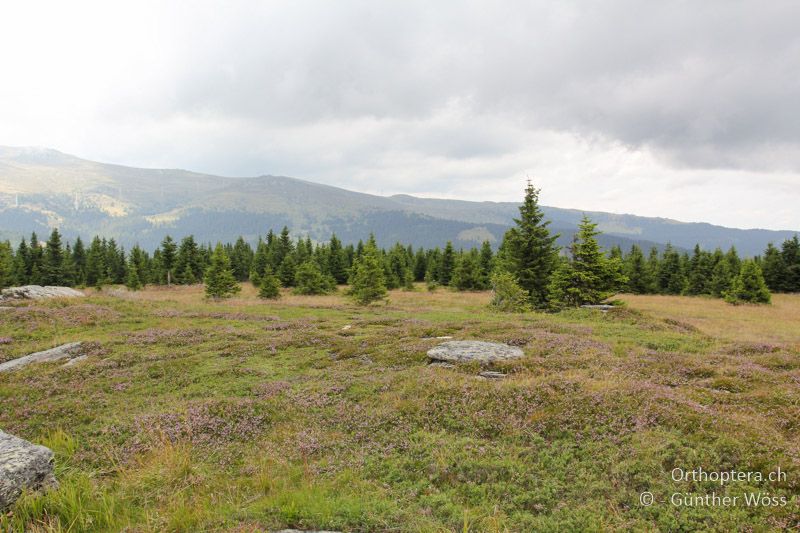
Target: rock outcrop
37	292
468	351
65	351
23	465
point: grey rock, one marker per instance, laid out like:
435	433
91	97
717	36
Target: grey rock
602	307
23	465
76	360
69	350
441	364
480	351
37	292
492	375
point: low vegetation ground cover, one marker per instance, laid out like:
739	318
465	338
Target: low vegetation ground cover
312	412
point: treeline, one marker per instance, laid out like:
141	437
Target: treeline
529	269
104	262
708	273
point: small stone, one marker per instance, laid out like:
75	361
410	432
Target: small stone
64	351
468	351
442	364
348	326
492	375
23	465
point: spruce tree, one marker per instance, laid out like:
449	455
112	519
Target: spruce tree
168	255
721	279
589	277
69	276
671	277
310	280
507	295
774	268
188	262
79	260
420	265
7	274
270	286
35	257
790	253
132	279
447	264
241	256
529	251
486	264
467	275
21	262
219	279
286	271
640	280
749	285
53	261
186	275
337	260
701	266
96	264
368	284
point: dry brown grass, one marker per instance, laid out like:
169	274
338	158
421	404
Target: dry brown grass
779	322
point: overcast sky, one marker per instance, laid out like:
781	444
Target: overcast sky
687	110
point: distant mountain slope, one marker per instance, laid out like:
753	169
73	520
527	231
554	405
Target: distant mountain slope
41	188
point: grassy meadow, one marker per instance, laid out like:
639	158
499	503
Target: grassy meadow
313	413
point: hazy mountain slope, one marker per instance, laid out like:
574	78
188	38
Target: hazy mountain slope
41	188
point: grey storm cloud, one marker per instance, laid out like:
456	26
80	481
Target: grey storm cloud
711	84
680	109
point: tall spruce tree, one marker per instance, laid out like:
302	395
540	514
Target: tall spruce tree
529	251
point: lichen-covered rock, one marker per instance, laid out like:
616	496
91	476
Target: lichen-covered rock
23	465
37	292
65	351
468	351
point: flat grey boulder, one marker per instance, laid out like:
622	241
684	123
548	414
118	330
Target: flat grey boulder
23	465
37	292
65	351
468	351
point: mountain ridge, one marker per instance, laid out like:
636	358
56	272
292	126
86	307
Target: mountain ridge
44	188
